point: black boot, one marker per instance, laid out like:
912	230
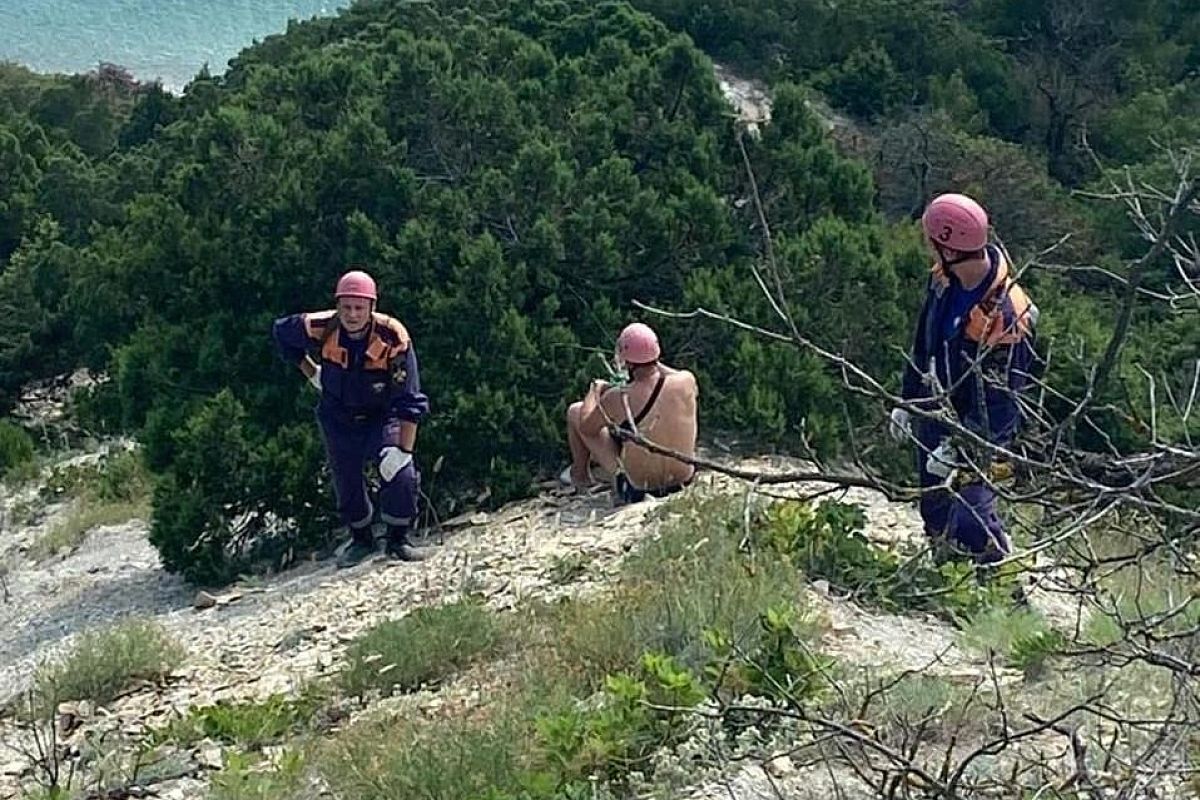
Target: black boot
399	548
362	546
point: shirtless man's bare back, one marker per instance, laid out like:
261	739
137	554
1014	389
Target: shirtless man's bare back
658	402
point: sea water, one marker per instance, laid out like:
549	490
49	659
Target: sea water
164	40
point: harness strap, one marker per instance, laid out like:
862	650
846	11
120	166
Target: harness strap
622	431
650	401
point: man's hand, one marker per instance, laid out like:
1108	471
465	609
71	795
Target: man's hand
900	425
391	461
944	460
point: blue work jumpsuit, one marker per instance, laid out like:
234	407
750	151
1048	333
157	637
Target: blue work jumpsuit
368	387
974	350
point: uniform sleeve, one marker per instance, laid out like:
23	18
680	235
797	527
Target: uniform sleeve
291	337
408	403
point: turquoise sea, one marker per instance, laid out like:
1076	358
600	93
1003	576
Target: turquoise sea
168	40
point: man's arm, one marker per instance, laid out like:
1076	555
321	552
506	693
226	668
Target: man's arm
408	405
293	336
291	340
594	413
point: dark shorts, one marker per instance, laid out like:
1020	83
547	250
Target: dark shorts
626	493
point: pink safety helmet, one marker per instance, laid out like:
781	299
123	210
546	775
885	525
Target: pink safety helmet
356	283
956	221
638	344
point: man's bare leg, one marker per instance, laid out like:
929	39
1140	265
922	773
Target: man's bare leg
585	450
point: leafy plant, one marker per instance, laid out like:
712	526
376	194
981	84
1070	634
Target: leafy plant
1030	653
115	476
451	758
110	490
249	725
785	666
632	717
68	533
688	578
1023	638
566	568
243	777
827	542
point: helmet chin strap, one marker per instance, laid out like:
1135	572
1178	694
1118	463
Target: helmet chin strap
950	262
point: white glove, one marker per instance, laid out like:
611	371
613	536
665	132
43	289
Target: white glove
315	378
900	425
391	461
942	461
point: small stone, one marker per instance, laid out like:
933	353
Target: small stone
779	767
210	756
204	600
173	793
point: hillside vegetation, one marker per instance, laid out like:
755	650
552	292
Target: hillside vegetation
516	174
523	178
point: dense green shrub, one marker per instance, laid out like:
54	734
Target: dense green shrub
514	179
212	508
1030	72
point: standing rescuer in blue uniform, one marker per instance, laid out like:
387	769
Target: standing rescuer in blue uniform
364	366
971	355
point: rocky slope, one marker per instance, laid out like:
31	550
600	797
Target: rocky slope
251	641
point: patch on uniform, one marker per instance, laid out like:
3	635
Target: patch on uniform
377	387
399	372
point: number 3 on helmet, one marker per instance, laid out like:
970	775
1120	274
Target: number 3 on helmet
956	221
